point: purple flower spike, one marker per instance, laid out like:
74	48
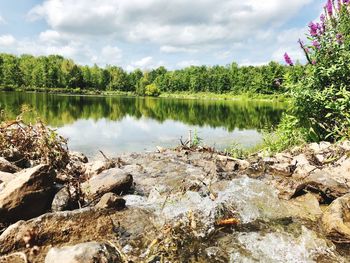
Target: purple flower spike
329	7
288	60
323	18
313	62
313	29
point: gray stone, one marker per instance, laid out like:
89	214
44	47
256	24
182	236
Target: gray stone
65	199
113	180
28	195
90	252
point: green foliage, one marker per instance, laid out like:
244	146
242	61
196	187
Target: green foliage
287	134
152	90
57	73
322	98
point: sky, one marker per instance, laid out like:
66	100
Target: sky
151	33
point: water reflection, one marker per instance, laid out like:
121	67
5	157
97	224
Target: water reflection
124	124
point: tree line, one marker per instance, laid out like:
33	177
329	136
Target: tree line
57	72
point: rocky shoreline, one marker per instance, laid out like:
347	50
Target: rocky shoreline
183	205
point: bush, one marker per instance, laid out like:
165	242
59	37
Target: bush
322	98
152	90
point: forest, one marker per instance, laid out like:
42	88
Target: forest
54	72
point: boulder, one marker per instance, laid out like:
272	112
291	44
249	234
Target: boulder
83	225
7	167
28	195
336	220
65	199
113	180
282	169
111	200
90	252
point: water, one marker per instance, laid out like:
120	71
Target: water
128	124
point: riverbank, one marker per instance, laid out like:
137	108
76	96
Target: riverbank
181	205
175	95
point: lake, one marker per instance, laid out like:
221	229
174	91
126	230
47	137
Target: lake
120	124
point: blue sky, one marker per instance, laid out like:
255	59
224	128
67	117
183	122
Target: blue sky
150	33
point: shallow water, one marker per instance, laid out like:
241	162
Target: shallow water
128	124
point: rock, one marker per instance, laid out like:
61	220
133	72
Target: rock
283	157
160	149
111	200
14	258
318	148
336	220
91	252
284	169
28	195
78	157
114	180
95	168
304	207
345	146
6	177
65	199
83	225
7	167
323	183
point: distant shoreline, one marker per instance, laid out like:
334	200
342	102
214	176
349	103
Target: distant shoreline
175	95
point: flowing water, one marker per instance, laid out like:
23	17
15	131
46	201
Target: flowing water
128	124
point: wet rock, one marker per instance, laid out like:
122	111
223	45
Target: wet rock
336	220
304	207
79	226
28	195
65	199
91	252
111	200
7	167
114	180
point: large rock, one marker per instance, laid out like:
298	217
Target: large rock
113	180
7	167
336	220
72	227
28	195
90	252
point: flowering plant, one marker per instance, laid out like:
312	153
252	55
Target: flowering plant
322	99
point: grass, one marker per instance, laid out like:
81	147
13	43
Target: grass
225	96
179	95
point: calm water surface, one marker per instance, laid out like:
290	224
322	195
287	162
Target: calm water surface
125	124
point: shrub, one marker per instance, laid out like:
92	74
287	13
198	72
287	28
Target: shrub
322	98
152	90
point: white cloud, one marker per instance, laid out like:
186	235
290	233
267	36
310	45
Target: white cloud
146	63
187	63
50	36
7	40
168	23
174	49
109	55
